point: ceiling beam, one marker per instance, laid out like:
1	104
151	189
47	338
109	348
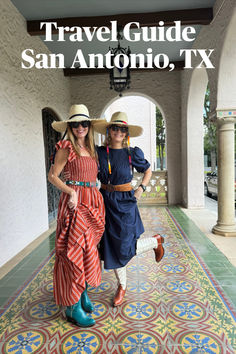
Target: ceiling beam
187	17
179	65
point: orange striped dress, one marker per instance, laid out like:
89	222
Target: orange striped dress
78	231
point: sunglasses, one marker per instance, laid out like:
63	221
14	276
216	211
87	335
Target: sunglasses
116	128
84	124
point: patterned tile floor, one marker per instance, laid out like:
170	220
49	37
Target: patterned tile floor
184	304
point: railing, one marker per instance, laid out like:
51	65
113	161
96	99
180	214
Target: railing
156	192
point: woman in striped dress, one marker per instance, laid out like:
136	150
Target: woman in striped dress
81	217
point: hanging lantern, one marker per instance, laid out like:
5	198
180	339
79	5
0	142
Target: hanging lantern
120	76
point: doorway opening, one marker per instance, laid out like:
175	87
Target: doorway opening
143	111
50	137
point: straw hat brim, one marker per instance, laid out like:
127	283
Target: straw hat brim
101	127
61	126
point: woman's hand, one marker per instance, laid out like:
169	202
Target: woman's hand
138	192
72	203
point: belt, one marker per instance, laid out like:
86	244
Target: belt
117	188
83	184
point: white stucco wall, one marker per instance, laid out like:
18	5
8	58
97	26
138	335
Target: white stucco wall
24	93
163	89
140	111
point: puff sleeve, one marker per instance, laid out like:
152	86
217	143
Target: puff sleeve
66	144
138	160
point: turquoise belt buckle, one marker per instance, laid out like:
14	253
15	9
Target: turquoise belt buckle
83	184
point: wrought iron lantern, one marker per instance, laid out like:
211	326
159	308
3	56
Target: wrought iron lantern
120	77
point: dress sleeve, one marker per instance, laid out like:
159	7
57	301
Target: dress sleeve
138	160
66	144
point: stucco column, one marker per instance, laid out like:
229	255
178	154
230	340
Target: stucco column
226	225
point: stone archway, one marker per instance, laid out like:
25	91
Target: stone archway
149	130
141	110
226	119
164	89
193	153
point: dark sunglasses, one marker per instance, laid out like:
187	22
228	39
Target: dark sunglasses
116	128
84	124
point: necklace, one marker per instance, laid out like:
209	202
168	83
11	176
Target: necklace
81	147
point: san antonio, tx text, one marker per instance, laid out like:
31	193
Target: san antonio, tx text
104	34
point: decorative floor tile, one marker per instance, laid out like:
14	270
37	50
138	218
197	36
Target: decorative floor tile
139	342
184	304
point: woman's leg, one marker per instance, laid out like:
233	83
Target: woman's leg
76	314
149	243
63	282
146	244
143	245
86	302
121	276
120	293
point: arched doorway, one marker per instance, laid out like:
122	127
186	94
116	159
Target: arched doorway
50	137
142	110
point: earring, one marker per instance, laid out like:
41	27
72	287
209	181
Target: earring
129	153
109	139
108	159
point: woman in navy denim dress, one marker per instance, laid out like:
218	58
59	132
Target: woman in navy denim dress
120	241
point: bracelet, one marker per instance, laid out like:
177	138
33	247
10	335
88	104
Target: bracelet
143	187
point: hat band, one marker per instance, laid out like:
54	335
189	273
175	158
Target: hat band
119	121
76	115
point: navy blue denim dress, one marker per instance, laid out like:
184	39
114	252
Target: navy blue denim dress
123	223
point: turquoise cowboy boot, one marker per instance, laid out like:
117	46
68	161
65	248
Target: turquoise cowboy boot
86	302
76	315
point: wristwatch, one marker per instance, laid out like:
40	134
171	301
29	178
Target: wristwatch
143	187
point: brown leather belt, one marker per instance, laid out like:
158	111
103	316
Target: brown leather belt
117	188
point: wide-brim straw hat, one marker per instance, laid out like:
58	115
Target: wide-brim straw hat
77	113
118	118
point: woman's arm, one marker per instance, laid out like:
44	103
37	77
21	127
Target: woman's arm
53	176
146	178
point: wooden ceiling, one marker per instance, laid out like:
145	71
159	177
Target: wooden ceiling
187	17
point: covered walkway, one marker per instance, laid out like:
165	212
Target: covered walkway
184	304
